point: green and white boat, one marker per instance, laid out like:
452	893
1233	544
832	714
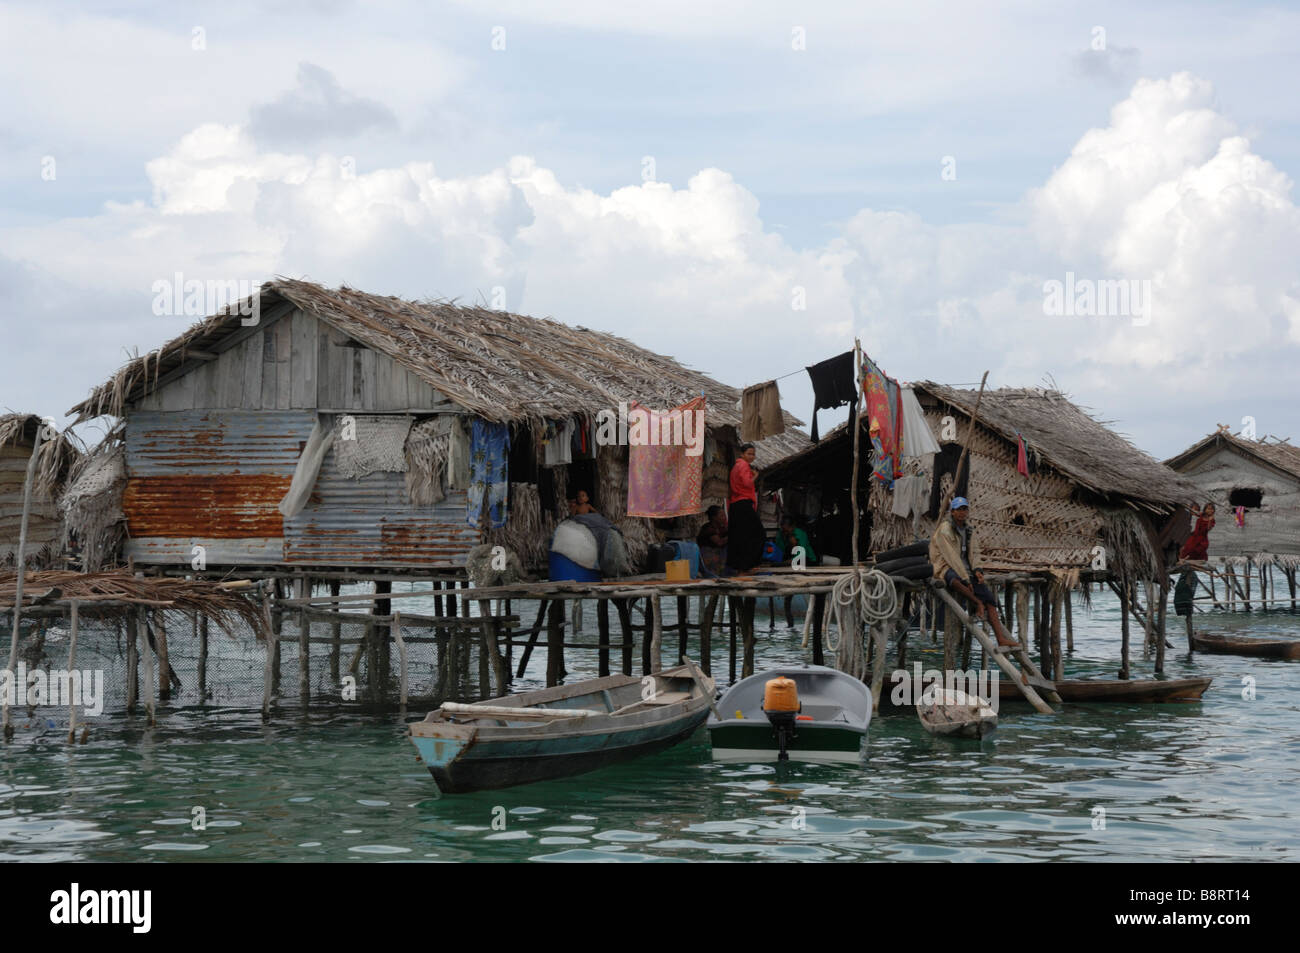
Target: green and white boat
830	725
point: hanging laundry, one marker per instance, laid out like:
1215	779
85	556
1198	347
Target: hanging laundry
582	445
457	453
664	481
1240	514
884	412
917	440
833	386
557	451
945	464
910	495
760	412
1022	458
489	474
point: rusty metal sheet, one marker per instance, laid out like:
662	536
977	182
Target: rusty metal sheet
371	522
222	507
194	442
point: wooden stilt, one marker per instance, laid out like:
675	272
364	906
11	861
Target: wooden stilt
150	686
602	626
952	637
748	607
683	625
533	635
1022	613
1247	568
132	659
731	624
1162	592
818	637
336	633
401	659
277	626
554	639
268	678
880	642
1069	623
304	646
706	633
624	610
164	668
202	619
1148	627
1123	627
1290	583
656	636
73	624
1058	613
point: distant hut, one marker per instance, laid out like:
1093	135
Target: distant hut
58	456
1091	498
1255	488
217	422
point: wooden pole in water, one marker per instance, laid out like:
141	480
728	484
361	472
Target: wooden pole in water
731	607
554	636
1163	592
1290	583
164	667
336	632
748	606
602	627
200	626
1148	625
401	657
706	633
151	687
304	646
1069	623
1058	612
132	661
683	624
268	676
624	611
656	636
277	626
818	636
1123	627
951	640
20	565
72	667
1246	567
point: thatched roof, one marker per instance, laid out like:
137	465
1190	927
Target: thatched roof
56	458
1278	454
501	366
1067	438
1073	442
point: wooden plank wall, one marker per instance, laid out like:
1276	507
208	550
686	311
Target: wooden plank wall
295	362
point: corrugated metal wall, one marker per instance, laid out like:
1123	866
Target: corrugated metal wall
211	478
215	479
370	522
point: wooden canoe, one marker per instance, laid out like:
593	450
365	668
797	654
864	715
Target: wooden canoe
949	711
1133	690
559	732
1245	645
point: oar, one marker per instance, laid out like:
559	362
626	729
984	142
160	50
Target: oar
704	686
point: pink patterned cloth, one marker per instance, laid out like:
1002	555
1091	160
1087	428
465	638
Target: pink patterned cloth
663	480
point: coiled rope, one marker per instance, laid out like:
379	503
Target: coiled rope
860	596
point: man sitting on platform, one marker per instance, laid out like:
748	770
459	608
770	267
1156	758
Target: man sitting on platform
956	557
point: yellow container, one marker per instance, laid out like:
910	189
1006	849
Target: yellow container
677	570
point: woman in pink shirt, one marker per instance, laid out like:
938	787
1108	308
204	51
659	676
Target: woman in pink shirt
746	537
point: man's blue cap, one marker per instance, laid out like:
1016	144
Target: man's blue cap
958	503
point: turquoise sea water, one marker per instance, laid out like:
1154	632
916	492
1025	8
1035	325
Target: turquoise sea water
1215	780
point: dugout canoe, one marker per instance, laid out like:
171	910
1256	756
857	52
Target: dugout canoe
1132	690
561	731
1245	645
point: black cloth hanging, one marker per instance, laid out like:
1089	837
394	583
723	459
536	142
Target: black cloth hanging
834	385
522	465
546	489
945	462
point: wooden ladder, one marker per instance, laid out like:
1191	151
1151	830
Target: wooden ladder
1027	678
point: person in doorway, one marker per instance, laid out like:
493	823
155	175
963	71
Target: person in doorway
1197	547
745	536
581	505
791	537
712	540
955	554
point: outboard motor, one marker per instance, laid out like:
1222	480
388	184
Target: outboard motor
781	706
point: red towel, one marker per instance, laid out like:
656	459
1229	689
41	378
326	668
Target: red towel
1022	461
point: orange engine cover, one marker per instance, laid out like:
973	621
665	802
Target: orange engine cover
780	694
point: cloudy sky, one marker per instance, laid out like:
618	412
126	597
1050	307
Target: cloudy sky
745	186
